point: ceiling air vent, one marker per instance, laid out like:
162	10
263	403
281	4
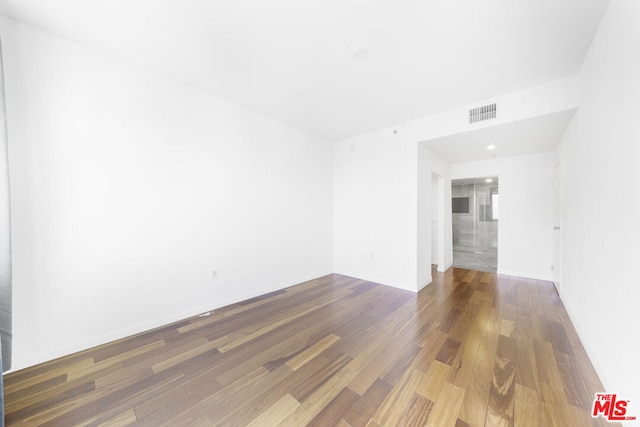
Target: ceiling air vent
480	114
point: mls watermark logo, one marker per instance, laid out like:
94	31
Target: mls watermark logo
612	409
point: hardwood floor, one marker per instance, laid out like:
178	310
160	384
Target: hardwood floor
472	348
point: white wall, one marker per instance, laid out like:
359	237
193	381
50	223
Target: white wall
128	189
601	231
382	209
382	187
552	97
525	227
429	164
375	187
436	217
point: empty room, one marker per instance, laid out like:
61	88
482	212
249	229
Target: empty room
290	213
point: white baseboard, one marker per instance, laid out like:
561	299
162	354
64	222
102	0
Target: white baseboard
526	275
145	326
587	347
424	285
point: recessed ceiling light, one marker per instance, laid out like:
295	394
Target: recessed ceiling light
488	180
359	52
491	147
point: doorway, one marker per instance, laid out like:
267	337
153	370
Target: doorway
437	223
475	209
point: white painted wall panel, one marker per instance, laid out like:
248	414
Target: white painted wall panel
129	188
601	230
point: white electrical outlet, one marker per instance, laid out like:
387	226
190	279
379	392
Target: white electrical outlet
214	273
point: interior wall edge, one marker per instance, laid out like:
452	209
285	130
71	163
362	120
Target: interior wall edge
424	285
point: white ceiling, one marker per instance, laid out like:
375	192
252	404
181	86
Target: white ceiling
535	135
292	59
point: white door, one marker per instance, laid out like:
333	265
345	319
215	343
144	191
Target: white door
557	225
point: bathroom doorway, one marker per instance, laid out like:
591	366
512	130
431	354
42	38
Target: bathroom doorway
475	206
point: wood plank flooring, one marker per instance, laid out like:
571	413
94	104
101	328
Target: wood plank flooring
471	349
